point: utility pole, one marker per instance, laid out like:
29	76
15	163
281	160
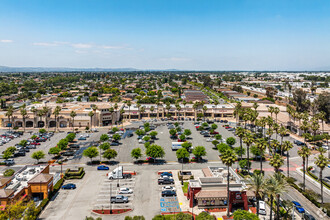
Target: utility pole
110	196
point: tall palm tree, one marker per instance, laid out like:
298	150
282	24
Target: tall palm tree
271	111
287	146
152	109
142	109
237	110
45	111
263	122
139	106
240	132
321	162
248	140
91	114
273	188
315	127
178	108
184	103
73	114
276	127
168	107
322	117
261	144
111	110
195	107
116	107
34	111
24	114
228	158
129	104
94	107
269	132
282	131
40	113
282	181
9	114
204	111
276	112
255	106
56	113
304	153
304	127
257	184
276	161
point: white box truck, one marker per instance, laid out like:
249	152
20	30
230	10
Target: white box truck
176	145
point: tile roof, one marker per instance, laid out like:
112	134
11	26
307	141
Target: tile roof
4	193
43	178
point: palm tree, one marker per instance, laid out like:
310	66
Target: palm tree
304	127
237	110
322	117
184	102
255	106
56	113
287	146
228	158
282	181
304	152
24	114
45	111
315	127
168	107
282	131
195	107
139	106
321	162
142	109
178	108
111	110
115	107
273	188
261	144
152	109
73	114
248	140
9	114
257	184
129	109
94	110
276	111
40	114
204	111
276	161
271	111
240	132
91	114
34	110
269	132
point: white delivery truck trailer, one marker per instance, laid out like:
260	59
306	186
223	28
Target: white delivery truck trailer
117	173
176	145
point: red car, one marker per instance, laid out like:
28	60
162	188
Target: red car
179	140
35	143
227	127
214	132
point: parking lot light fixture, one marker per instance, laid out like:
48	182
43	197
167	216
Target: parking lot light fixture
110	196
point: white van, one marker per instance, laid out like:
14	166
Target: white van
262	207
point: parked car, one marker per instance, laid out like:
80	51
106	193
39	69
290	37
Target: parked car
262	208
102	167
166	174
308	217
119	199
168	193
74	146
210	139
9	162
168	188
68	153
69	186
35	143
114	143
299	143
207	135
298	207
165	180
125	191
214	132
82	138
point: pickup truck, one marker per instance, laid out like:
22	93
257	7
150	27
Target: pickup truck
119	199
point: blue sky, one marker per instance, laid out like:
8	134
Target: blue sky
162	34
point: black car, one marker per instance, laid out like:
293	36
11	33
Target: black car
308	217
165	181
20	153
74	146
68	153
207	135
299	143
114	143
168	193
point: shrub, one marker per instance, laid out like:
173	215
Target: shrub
8	172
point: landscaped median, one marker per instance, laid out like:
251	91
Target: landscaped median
317	179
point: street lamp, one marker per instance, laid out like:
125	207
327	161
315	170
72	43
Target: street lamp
110	196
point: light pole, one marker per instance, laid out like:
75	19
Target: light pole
182	171
110	196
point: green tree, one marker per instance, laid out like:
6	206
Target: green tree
218	137
42	131
104	146
215	143
116	137
38	155
23	143
187	132
136	153
248	140
257	183
228	158
214	126
31	211
222	147
73	114
140	132
91	152
110	154
55	151
242	214
182	137
63	143
239	151
70	137
199	151
172	132
155	151
104	137
115	129
244	164
240	132
230	141
7	154
186	145
287	146
153	134
182	153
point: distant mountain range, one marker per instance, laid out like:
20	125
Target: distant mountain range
62	69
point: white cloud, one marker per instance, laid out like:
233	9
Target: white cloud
6	41
81	46
45	44
175	59
112	47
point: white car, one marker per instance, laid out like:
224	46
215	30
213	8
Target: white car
125	191
168	188
141	141
210	139
325	147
